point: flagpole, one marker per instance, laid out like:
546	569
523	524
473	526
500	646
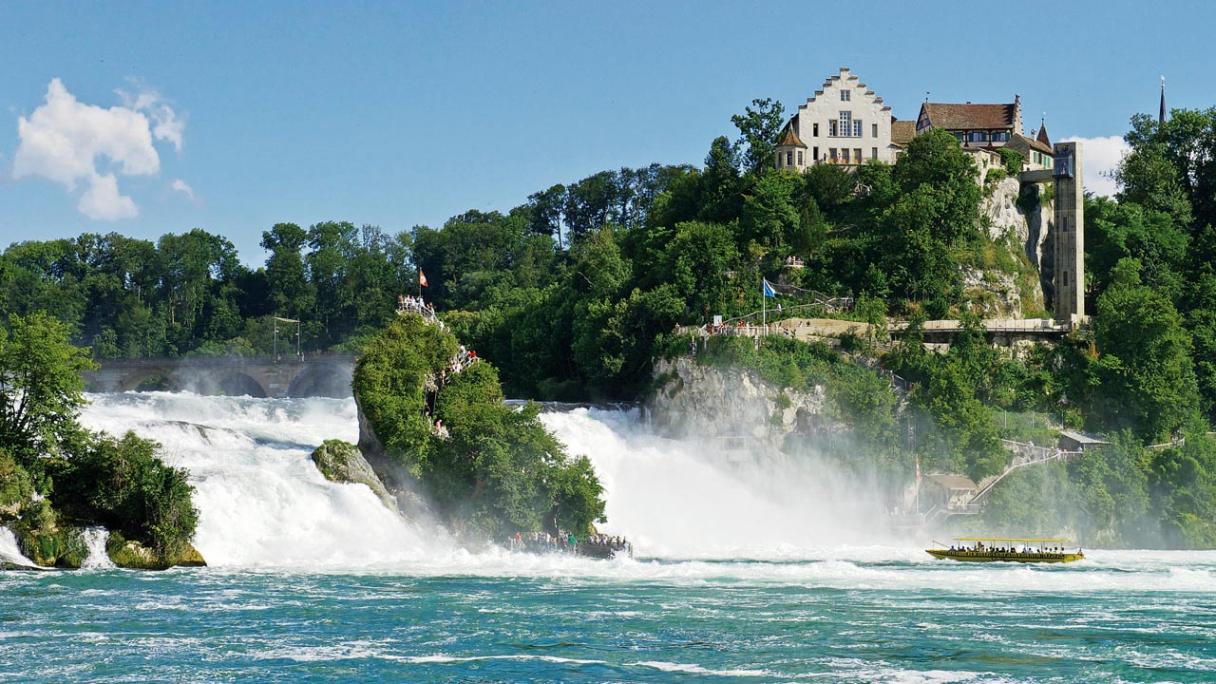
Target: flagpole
763	303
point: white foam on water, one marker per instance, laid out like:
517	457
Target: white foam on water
95	540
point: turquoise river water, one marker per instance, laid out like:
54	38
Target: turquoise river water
312	581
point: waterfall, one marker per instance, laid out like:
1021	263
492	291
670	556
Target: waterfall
261	500
689	499
95	539
9	551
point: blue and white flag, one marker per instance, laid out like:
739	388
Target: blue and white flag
767	288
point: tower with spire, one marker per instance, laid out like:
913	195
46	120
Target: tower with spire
1161	110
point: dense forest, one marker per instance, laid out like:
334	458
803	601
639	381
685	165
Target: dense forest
577	290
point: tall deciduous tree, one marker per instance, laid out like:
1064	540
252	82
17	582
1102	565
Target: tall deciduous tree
759	125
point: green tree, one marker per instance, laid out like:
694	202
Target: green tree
1148	380
759	125
41	391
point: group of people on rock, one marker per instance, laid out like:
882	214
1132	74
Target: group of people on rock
598	545
463	359
416	305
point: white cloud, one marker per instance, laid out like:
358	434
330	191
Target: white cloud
103	202
1101	159
166	125
183	187
72	143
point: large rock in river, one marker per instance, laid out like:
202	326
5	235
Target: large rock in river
128	553
341	461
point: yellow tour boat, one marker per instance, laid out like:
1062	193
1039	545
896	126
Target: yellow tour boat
1008	549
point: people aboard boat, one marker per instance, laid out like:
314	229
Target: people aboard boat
593	545
1002	549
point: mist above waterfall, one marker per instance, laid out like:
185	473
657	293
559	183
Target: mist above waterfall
693	498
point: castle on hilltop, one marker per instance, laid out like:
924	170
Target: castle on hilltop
845	122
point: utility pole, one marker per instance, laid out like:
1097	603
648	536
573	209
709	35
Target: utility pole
278	320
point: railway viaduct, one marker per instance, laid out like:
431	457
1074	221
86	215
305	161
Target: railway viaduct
324	375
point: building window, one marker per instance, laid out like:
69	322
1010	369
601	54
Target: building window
873	130
1065	278
815	153
962	137
815	130
789	158
832	128
844	96
846	123
844	155
978	136
832	153
1000	136
857	128
800	162
873	153
857	155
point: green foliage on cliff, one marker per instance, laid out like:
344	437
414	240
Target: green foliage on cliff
492	469
80	477
390	382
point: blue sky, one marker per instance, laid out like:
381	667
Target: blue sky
400	114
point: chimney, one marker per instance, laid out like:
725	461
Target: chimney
1017	112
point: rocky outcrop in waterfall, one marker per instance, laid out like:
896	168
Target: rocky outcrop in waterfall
341	461
131	554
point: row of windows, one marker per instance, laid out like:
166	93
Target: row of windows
982	136
845	127
842	155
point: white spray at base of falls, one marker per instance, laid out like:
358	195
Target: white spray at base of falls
689	499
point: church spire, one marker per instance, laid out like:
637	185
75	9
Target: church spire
1161	111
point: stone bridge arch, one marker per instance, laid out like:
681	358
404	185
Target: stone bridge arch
326	379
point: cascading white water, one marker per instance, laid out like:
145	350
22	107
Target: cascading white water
9	551
260	498
687	499
262	503
95	539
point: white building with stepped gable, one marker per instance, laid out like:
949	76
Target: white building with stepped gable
844	122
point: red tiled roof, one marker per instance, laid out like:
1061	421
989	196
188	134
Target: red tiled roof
1042	136
1020	141
970	116
902	132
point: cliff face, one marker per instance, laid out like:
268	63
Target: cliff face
1007	280
702	401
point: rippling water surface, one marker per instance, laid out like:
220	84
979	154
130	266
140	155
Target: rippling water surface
511	619
747	569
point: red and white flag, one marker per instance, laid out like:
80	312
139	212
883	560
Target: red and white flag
422	279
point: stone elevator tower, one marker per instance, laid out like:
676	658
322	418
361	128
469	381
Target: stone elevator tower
1069	241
